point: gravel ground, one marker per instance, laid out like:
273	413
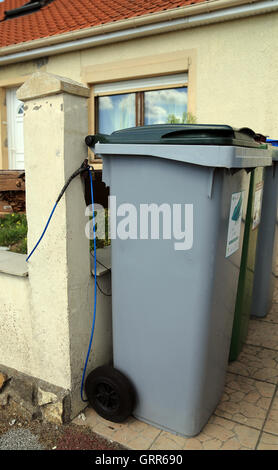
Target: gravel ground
19	439
18	432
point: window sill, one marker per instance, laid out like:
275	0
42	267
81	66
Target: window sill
13	263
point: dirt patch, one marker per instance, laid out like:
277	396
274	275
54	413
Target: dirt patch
49	436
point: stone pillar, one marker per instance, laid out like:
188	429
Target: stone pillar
61	286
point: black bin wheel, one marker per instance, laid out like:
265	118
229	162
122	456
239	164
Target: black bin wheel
110	394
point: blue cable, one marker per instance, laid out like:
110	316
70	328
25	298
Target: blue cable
42	235
95	296
83	167
95	265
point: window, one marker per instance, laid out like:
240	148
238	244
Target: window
165	106
116	112
158	100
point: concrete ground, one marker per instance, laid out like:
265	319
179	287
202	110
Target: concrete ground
246	417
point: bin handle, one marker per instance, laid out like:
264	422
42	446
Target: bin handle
229	131
256	136
90	140
192	131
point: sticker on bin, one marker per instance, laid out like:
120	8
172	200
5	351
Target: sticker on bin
233	239
258	197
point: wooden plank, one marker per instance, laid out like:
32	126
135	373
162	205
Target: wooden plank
11	184
5	208
10	180
15	199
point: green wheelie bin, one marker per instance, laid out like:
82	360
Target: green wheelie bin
247	266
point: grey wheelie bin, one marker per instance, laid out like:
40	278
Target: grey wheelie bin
175	270
267	246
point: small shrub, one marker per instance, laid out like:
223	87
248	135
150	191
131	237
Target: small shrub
101	243
13	232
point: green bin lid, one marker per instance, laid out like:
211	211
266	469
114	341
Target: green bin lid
181	134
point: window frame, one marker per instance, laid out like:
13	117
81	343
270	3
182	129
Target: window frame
146	66
139	100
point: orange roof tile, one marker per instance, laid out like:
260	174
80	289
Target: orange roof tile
61	16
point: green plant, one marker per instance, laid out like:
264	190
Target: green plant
13	232
101	243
